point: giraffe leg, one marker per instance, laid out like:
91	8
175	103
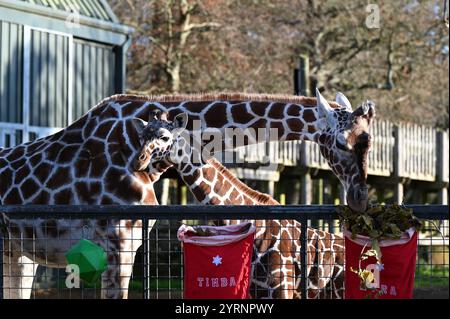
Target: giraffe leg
283	276
286	287
337	280
129	245
125	271
122	245
18	276
111	288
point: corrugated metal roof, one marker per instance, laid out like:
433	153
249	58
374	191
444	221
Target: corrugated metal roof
96	9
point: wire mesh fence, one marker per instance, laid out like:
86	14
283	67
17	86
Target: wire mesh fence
145	258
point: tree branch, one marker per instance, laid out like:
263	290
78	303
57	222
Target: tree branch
204	25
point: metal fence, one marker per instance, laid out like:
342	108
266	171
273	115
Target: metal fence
47	232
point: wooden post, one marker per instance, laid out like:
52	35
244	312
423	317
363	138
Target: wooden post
334	193
182	193
398	193
283	199
398	165
271	188
442	166
165	191
443	196
306	189
301	76
326	199
293	191
342	195
321	190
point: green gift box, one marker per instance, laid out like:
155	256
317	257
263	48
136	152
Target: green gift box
90	258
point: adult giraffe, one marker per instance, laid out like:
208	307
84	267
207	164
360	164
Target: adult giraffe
89	162
276	264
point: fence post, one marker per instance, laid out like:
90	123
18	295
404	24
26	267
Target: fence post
301	76
145	259
342	194
398	164
305	178
442	166
306	187
271	188
182	193
165	191
303	259
301	87
1	265
293	189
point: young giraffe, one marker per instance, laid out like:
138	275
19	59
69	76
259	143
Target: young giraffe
277	262
89	163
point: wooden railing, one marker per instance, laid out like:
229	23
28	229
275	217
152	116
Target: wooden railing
406	150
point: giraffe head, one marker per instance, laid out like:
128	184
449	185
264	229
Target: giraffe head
157	139
344	141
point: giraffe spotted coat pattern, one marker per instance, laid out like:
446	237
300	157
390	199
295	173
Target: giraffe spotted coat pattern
276	266
89	163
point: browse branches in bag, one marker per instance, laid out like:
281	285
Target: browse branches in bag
379	221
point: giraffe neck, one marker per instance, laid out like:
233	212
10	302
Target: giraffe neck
90	158
211	183
294	117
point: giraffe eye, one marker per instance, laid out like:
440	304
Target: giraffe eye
165	139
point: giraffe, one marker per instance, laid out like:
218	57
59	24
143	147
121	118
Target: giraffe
277	261
91	162
85	163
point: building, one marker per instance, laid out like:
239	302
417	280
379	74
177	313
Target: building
58	58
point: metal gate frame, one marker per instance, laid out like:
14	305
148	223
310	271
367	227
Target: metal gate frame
301	213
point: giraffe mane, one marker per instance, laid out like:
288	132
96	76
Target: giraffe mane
262	198
221	96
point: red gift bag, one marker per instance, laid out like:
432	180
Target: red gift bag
394	278
217	261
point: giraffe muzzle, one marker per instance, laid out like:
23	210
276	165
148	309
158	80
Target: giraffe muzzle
141	162
358	198
362	193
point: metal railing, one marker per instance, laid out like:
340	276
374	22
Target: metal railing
305	214
12	134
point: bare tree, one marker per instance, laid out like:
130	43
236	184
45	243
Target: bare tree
253	45
168	27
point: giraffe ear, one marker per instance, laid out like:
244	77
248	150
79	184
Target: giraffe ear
324	109
139	124
342	100
180	122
